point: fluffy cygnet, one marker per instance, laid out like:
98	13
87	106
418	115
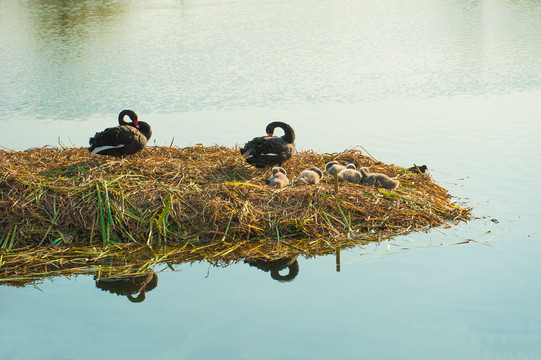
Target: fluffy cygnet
278	178
378	180
333	167
310	176
350	174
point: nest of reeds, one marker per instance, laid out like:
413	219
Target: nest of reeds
204	200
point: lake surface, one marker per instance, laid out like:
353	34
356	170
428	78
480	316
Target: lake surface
454	84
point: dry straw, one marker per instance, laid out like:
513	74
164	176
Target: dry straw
65	210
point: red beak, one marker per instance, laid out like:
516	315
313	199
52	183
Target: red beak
136	123
270	134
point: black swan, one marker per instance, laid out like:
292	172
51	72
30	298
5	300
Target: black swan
278	178
125	139
270	150
310	176
378	180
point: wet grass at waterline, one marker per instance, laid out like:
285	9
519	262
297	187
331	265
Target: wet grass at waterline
27	266
202	196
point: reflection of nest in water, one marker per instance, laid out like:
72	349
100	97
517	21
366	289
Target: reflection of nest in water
128	285
275	266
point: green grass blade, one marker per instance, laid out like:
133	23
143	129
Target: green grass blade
101	216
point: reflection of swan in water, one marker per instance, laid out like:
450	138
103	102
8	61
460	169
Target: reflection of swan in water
128	285
275	266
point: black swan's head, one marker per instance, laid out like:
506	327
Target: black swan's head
289	134
144	128
131	114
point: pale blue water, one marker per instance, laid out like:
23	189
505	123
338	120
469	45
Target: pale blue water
453	84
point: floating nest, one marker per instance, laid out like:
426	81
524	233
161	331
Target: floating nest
66	210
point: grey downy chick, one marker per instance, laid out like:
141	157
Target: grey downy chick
378	180
278	178
310	176
350	174
333	167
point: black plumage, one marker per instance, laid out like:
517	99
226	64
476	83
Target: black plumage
125	139
418	169
270	150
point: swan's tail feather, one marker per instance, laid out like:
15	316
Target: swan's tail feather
247	153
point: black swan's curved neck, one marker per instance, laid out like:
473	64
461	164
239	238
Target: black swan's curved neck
289	134
131	114
293	272
140	298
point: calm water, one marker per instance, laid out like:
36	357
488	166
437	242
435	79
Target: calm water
453	84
